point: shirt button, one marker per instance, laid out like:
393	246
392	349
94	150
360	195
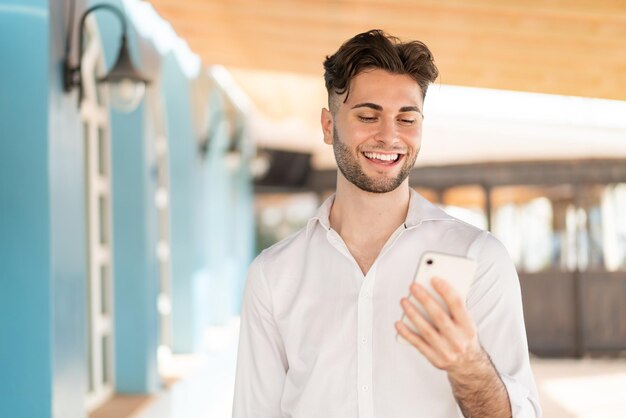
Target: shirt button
365	294
364	340
364	388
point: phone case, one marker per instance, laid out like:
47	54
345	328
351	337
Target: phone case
457	271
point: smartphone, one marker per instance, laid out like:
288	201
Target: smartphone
457	271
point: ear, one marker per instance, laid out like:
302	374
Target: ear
327	126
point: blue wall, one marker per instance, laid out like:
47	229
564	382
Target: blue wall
184	209
43	259
135	264
134	233
243	243
228	213
68	256
25	245
212	216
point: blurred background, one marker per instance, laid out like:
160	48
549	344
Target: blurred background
150	149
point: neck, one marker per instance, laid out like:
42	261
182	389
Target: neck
360	216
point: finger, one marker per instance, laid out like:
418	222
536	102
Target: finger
418	342
456	305
426	331
442	320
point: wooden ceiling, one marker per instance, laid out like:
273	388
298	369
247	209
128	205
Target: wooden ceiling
568	47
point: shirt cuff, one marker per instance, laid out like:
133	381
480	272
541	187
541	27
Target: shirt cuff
521	405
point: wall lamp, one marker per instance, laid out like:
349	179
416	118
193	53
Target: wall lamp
127	84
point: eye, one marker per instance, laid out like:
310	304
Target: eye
367	119
407	121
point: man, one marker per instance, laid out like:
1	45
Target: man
322	308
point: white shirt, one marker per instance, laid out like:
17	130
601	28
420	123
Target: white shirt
318	339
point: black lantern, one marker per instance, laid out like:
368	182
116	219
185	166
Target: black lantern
127	84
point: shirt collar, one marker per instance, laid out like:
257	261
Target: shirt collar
322	216
420	210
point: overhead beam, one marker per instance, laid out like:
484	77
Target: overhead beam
567	47
490	175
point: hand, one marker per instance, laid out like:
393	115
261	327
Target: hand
451	343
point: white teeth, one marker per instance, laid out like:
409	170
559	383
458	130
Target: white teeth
382	157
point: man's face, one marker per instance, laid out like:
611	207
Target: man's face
376	133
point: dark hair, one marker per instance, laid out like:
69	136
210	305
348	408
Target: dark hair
376	49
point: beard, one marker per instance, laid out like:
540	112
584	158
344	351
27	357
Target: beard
349	166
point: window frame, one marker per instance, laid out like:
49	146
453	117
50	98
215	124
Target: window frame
94	113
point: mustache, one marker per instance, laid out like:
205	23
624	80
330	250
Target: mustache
374	148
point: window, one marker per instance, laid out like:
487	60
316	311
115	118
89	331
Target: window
280	215
564	228
529	222
613	208
161	201
95	117
466	203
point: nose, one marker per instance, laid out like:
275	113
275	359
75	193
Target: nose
387	133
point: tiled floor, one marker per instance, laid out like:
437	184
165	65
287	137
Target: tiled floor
587	388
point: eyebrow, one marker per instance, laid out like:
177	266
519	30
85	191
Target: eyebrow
379	108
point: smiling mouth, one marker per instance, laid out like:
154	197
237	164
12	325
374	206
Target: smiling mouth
386	159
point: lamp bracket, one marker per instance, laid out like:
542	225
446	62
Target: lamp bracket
71	74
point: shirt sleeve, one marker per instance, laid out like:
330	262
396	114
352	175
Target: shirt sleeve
495	304
261	360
